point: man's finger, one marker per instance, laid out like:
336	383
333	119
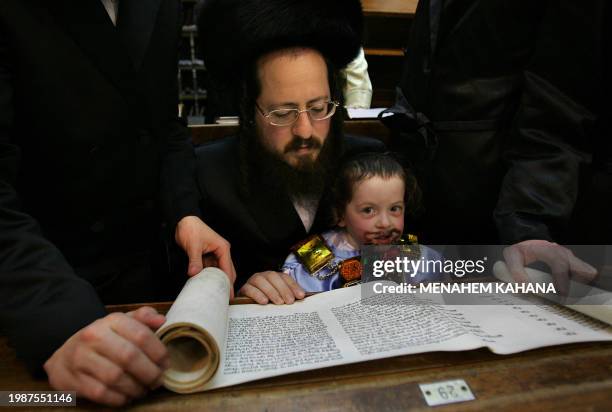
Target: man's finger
283	289
124	353
556	258
142	337
110	374
560	273
543	251
261	282
62	378
254	293
561	262
281	282
581	270
148	316
226	264
133	360
194	252
281	286
516	264
297	290
96	391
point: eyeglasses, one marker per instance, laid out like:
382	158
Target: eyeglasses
287	116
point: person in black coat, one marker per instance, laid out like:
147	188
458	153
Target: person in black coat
485	84
91	151
502	109
267	188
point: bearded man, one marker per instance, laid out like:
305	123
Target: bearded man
266	189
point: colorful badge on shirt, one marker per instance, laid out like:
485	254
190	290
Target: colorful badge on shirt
314	253
318	259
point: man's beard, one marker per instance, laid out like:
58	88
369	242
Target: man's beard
308	178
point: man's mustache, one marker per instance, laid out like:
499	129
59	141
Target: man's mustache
298	143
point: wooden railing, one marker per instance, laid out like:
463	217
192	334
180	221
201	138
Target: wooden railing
386	30
389	8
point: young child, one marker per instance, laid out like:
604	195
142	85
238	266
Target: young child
371	195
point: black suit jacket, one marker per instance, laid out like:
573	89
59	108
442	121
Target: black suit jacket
88	124
512	90
262	227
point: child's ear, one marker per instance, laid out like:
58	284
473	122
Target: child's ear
338	218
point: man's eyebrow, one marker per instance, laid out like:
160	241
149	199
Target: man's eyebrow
316	99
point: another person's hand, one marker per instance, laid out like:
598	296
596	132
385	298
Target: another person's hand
562	262
197	239
113	360
277	287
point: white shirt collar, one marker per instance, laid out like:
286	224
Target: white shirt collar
112	8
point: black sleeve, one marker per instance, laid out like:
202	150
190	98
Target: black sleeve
549	140
179	190
42	301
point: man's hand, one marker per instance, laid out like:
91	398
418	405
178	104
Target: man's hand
113	360
562	262
272	286
197	239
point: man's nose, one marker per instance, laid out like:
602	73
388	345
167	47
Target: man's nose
303	126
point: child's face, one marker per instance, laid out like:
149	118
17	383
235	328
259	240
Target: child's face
375	214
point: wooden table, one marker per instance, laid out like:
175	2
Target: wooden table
570	377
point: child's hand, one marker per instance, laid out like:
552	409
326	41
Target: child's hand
272	286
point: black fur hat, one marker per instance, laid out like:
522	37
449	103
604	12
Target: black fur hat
234	33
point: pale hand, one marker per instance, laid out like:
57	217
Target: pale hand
198	239
277	287
113	360
562	262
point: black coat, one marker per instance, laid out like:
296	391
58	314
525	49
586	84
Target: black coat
508	96
263	226
88	124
